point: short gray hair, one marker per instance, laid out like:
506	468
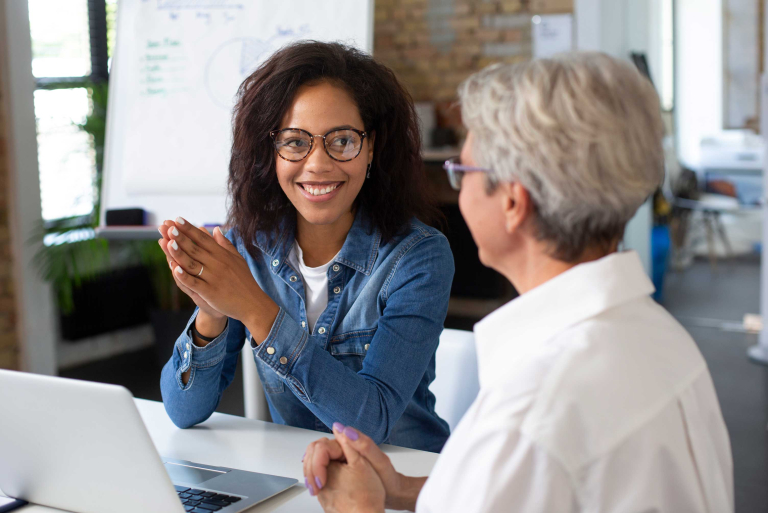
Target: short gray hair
582	132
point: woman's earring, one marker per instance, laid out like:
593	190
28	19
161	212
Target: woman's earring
368	174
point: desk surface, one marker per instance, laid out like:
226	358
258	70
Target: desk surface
230	441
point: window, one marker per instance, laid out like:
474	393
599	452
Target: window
69	53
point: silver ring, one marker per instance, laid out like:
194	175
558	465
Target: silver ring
201	270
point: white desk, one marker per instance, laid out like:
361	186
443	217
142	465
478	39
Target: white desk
230	441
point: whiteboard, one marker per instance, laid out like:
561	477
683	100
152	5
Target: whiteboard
176	68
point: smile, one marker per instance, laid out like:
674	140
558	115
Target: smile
320	189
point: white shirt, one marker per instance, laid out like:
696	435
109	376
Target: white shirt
315	284
592	398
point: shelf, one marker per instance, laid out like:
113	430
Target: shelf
72	354
474	308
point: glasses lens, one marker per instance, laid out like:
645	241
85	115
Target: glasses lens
343	144
292	144
454	176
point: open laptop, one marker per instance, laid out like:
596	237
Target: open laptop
82	447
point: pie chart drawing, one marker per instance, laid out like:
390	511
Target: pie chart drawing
230	64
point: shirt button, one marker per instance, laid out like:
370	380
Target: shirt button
303	324
283	360
185	355
187	346
367	346
270	350
293	278
336	267
336	290
321	330
275	262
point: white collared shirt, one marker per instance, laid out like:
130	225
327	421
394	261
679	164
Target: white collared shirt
592	398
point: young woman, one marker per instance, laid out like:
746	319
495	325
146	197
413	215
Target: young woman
328	270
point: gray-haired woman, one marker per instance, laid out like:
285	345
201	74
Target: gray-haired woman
592	397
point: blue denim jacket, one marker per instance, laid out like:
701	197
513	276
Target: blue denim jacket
371	357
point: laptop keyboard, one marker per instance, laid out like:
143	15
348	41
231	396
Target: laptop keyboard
201	501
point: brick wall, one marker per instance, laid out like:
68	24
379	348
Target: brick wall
433	45
9	356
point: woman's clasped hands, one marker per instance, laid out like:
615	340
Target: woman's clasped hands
209	269
351	473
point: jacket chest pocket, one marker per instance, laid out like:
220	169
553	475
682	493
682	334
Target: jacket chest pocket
269	378
350	348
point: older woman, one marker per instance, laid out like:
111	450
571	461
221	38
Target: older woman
593	398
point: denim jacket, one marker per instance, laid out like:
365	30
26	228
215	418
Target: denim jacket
371	357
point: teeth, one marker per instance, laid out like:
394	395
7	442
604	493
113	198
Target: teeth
319	191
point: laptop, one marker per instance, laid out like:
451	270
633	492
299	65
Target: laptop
82	447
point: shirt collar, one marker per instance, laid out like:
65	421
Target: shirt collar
535	317
358	252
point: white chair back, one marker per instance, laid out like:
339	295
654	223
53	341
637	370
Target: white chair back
253	392
456	383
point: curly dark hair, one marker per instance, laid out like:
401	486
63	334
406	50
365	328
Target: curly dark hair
397	189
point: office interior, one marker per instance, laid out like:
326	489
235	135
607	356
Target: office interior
78	305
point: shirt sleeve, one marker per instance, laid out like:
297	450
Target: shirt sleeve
492	470
373	399
212	369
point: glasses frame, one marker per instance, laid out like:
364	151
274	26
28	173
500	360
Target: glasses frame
456	171
361	133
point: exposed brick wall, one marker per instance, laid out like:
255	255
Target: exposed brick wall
433	45
9	355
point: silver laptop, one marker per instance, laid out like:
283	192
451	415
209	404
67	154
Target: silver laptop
82	447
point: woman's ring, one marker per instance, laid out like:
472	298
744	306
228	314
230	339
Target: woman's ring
201	271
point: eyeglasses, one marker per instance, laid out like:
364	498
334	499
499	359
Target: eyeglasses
456	171
294	144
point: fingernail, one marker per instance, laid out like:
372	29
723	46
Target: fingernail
175	231
351	433
179	269
319	484
159	230
338	426
175	246
180	220
170	265
219	230
309	487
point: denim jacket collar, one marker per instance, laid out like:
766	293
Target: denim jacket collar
358	252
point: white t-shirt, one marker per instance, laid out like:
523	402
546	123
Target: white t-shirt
315	284
592	399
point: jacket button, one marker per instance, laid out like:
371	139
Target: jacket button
293	278
336	290
270	350
367	346
283	360
303	324
275	262
321	330
336	267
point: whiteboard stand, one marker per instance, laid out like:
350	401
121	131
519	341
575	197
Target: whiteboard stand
128	232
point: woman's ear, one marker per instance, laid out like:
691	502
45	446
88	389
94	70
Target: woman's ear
371	138
516	206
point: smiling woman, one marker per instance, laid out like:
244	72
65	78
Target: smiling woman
329	269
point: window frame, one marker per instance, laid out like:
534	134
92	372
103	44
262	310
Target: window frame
97	31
